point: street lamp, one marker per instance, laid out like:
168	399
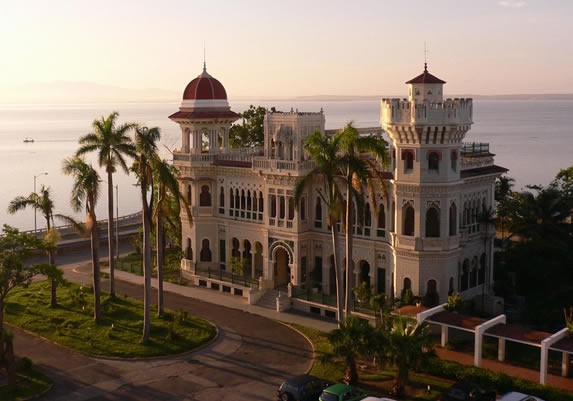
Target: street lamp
36	176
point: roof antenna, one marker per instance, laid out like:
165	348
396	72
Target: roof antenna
425	57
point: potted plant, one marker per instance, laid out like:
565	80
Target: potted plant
454	302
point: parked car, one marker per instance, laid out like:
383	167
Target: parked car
515	396
302	388
342	392
377	399
467	391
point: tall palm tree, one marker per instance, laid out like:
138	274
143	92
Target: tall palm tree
167	188
112	144
326	179
359	168
146	159
43	202
350	341
85	194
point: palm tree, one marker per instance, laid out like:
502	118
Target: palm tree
41	201
350	341
323	150
358	167
112	144
145	160
85	194
166	188
408	344
503	187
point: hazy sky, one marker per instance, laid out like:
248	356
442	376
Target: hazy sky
291	47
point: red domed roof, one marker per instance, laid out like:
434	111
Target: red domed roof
204	87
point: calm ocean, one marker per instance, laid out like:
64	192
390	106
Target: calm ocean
533	138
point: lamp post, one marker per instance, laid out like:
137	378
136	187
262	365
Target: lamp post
36	176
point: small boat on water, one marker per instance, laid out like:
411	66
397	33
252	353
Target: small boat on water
28	140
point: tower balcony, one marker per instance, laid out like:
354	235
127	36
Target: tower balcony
475	155
402	111
276	166
426	244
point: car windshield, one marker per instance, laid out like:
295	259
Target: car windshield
328	397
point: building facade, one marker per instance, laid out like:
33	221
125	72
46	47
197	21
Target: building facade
425	232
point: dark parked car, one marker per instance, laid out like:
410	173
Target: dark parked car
466	391
302	388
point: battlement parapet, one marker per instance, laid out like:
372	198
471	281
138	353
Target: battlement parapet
403	111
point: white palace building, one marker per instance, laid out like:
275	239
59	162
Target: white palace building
427	236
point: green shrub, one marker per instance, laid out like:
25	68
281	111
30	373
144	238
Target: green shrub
25	364
489	379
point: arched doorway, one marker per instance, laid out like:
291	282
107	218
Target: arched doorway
281	267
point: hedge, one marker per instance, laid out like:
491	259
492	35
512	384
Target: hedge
492	380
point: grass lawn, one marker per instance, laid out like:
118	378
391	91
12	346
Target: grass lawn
374	381
118	334
30	383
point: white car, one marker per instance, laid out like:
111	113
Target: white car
515	396
377	399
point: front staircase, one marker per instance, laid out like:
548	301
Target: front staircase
269	300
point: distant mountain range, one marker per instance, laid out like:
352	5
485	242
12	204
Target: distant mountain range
89	92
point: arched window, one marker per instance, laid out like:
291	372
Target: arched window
451	286
318	213
453	219
189	250
433	161
364	272
381	229
237	200
273	206
205	251
303	208
282	207
205	196
261	203
367	219
290	208
408	228
464	278
473	272
481	271
249	201
432	298
231	202
243	199
189	194
454	160
393	218
408	157
235	252
433	223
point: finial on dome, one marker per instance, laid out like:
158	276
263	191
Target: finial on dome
204	59
425	67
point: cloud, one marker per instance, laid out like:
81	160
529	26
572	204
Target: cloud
512	3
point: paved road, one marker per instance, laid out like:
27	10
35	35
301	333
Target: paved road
247	362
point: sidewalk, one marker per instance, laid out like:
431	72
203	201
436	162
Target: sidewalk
239	303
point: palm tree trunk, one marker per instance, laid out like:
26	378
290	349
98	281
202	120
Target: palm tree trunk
146	265
337	274
110	238
349	228
160	245
95	267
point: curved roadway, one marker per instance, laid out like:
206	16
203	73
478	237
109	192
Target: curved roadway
247	362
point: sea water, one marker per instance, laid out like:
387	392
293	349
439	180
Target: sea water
533	138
